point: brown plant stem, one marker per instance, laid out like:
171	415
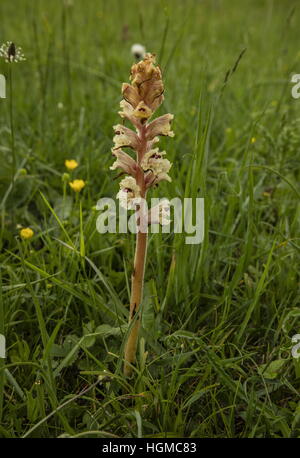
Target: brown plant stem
135	301
137	278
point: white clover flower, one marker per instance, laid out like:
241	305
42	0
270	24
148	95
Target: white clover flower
129	191
11	53
138	51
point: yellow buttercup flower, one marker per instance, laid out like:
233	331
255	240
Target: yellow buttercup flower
71	164
153	160
253	140
77	185
26	233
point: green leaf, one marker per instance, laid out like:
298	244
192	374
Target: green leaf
272	370
88	328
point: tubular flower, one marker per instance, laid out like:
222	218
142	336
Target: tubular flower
154	162
124	162
129	190
160	213
160	126
125	137
127	112
142	112
141	98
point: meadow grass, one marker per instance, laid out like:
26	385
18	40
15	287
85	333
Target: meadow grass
214	357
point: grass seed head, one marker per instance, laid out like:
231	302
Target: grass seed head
11	53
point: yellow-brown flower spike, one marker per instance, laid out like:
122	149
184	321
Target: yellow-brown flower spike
145	93
147	168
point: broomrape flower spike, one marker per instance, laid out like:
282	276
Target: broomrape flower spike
11	53
145	167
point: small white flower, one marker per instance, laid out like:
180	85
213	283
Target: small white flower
129	190
138	51
11	53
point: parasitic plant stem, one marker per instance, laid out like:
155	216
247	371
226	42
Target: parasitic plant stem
137	283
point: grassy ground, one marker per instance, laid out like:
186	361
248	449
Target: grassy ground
214	357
